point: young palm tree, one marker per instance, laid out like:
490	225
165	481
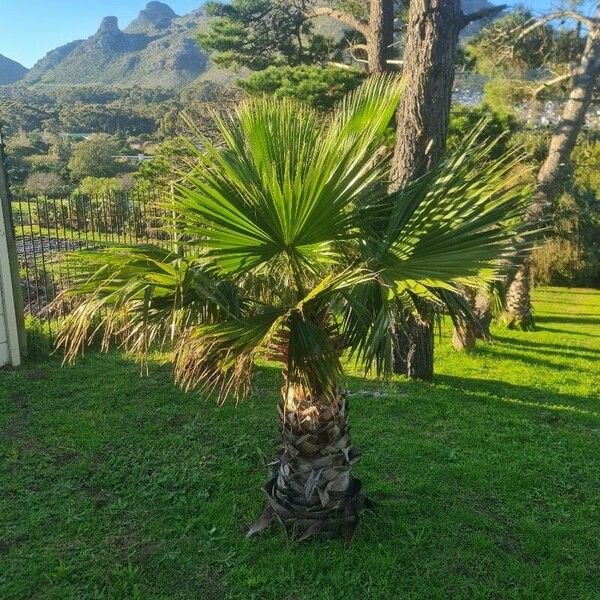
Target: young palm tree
298	254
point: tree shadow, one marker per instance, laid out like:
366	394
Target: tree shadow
576	319
522	395
563	331
570	291
553	349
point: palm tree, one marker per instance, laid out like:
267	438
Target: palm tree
298	252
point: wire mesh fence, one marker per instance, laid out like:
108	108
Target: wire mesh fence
48	228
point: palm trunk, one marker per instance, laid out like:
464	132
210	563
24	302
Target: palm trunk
414	348
483	311
312	489
518	299
465	329
468	331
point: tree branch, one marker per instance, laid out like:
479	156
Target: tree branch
588	22
338	15
482	14
550	82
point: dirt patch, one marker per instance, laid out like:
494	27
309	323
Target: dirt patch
38	375
64	457
9	544
17	430
17	427
132	548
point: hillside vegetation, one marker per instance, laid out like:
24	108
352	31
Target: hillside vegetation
10	71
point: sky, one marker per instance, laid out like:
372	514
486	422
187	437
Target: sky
30	28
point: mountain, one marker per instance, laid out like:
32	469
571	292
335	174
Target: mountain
156	17
158	49
473	6
11	71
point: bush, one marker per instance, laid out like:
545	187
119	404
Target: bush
321	87
41	183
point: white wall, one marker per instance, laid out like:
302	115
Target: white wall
9	336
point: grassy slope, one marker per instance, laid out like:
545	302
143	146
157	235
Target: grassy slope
487	481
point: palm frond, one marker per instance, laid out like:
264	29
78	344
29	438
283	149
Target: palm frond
135	296
283	186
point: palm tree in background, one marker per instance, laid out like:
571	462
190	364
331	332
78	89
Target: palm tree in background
298	253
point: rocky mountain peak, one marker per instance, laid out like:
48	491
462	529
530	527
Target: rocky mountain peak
108	25
156	17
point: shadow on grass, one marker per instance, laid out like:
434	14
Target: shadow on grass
569	291
522	395
576	319
563	331
553	349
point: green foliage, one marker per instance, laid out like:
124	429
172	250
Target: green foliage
293	224
94	157
102	118
571	253
320	87
496	126
169	159
99	186
586	158
257	34
120	486
506	95
497	50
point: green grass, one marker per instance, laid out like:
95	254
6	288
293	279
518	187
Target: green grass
487	481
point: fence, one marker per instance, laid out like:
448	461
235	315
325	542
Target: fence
47	228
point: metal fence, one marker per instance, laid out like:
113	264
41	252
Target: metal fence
47	228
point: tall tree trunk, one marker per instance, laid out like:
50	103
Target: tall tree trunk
381	35
518	299
424	110
312	489
422	123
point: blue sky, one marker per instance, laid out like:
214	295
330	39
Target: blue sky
30	28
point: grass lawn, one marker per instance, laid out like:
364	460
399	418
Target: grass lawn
487	482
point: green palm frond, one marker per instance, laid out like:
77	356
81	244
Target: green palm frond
283	187
138	296
303	337
300	251
449	228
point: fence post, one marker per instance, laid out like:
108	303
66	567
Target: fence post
10	283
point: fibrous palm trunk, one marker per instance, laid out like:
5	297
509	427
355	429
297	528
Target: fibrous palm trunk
465	329
414	348
518	299
312	489
468	331
483	311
